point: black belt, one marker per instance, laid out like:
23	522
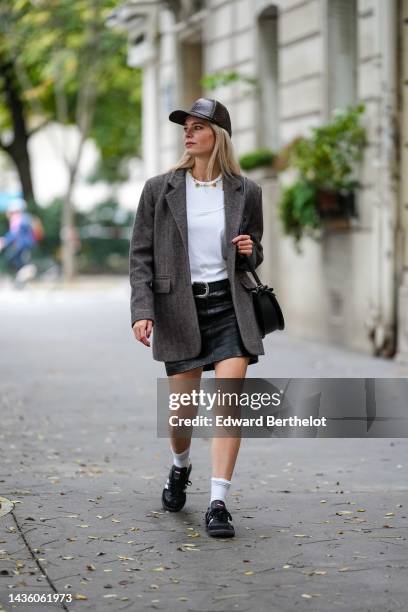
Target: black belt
202	288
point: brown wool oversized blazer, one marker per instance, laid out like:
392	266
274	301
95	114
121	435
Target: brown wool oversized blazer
159	268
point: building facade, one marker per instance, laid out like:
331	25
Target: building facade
308	57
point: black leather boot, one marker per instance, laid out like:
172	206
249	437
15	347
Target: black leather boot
174	492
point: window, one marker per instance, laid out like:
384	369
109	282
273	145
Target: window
268	135
342	53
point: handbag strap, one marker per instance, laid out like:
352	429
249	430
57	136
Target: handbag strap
241	231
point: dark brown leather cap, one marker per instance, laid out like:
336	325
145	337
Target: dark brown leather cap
205	108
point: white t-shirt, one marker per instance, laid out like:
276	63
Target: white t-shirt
206	227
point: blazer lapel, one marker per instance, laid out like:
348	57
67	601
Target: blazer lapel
233	202
176	199
234	206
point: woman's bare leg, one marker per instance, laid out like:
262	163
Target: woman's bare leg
177	443
224	450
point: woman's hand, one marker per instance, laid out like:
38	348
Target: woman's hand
142	330
244	244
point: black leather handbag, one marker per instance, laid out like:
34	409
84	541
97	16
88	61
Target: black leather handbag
267	310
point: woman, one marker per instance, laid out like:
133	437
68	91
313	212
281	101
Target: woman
188	280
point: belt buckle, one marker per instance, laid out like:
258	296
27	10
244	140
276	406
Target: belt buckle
207	289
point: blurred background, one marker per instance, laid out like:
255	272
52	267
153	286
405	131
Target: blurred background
317	92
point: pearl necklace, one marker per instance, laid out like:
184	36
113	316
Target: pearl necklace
205	183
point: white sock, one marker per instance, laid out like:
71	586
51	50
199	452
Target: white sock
182	460
219	489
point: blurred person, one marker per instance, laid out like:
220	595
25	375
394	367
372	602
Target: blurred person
188	280
19	241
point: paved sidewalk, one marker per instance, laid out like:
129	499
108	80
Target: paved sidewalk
320	524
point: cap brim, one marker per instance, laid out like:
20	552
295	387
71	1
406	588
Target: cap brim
179	116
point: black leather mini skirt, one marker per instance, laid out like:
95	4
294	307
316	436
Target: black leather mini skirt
220	335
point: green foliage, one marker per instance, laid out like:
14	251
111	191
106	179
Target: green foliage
257	158
51	218
56	48
297	210
326	160
221	79
104	233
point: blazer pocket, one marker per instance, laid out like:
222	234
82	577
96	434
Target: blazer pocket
161	284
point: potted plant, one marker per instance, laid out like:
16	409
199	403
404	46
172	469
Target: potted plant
336	207
258	158
327	161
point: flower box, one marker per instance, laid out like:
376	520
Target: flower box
336	208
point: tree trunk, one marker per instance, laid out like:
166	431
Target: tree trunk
18	148
85	108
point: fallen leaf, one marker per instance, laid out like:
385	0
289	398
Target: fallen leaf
188	547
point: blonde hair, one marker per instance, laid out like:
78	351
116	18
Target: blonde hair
223	152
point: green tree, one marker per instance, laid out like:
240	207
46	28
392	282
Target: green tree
59	62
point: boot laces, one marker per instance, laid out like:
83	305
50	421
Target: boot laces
220	513
177	485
